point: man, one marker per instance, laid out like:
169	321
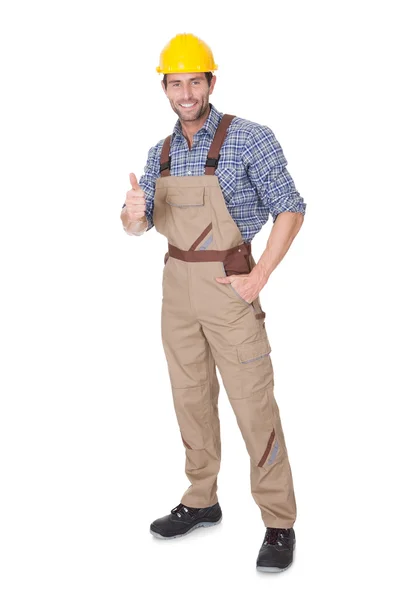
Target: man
209	188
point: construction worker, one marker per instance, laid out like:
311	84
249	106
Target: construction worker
209	188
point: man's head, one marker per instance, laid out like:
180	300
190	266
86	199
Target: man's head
188	93
187	64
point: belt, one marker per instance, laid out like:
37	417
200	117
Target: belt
206	255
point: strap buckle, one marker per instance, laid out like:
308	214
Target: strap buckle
212	162
166	165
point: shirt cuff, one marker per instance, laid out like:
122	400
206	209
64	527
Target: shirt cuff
288	206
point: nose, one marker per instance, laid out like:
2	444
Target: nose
187	92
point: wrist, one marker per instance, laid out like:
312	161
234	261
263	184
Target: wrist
260	275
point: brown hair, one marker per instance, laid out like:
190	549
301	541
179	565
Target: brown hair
208	75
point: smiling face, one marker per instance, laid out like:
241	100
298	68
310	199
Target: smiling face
188	94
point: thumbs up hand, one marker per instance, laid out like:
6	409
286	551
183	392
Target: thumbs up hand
135	201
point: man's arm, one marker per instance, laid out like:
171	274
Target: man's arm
283	232
265	163
266	168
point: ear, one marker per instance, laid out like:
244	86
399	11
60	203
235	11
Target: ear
163	87
212	84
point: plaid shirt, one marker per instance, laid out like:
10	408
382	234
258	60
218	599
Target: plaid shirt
251	171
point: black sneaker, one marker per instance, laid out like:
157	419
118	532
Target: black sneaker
276	552
183	519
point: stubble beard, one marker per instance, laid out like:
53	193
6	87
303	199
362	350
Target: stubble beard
202	108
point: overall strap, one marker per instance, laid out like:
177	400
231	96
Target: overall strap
213	154
219	137
165	159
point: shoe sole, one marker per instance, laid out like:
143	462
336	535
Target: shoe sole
173	537
276	569
272	569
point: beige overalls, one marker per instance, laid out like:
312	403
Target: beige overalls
207	324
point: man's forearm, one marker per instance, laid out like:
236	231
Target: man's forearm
283	232
133	227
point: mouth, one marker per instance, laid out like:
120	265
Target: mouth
188	105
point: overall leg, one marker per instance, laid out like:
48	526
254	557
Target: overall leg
195	389
241	349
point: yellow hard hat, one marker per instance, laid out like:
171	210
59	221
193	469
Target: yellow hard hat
186	53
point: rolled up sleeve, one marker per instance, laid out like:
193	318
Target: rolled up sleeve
266	168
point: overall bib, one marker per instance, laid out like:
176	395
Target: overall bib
207	324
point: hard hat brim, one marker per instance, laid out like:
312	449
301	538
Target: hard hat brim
188	70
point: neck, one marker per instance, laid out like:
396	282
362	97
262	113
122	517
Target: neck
189	128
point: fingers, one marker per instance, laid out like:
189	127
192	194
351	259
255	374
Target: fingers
138	216
136	209
135	194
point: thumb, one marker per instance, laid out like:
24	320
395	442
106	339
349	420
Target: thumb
134	181
224	279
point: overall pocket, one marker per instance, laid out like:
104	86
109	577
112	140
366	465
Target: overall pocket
185	214
230	286
185	197
241	264
236	264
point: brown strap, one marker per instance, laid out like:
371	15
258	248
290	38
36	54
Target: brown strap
201	237
207	255
213	154
165	161
219	137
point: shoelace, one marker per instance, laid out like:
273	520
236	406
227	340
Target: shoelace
275	536
182	509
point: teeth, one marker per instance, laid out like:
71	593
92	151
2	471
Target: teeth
187	105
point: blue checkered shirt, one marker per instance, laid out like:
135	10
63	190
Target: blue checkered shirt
251	171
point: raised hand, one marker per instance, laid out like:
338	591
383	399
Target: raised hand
135	200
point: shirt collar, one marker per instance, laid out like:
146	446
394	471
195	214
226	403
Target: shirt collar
209	127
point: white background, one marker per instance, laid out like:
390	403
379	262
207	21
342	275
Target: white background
90	448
